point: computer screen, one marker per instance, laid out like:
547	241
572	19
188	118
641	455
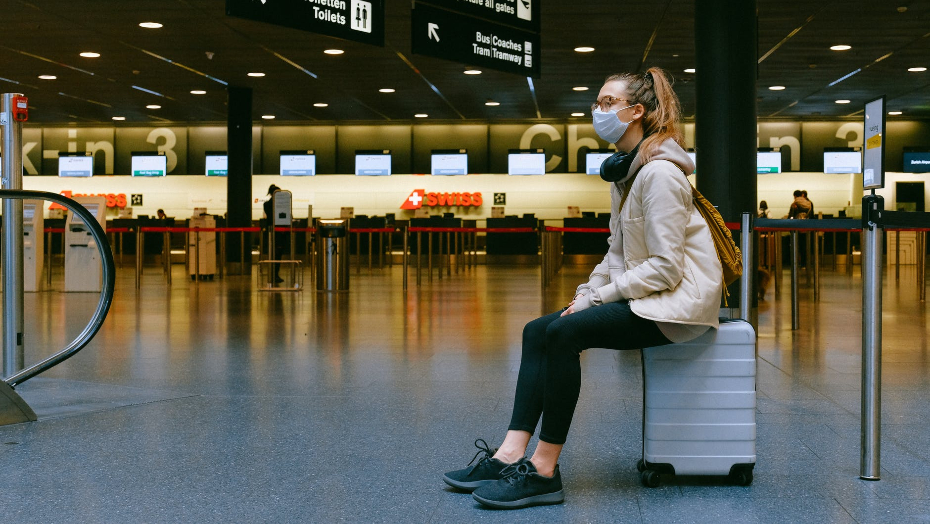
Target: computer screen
593	161
453	162
916	160
372	163
768	162
217	164
294	163
75	166
842	161
149	164
526	164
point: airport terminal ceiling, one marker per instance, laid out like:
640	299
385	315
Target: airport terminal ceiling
199	48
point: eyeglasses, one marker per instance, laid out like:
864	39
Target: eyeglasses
607	102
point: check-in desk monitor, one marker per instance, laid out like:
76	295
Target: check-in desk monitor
526	162
449	162
298	163
768	162
33	245
842	160
75	165
217	163
149	164
83	266
917	160
594	158
373	163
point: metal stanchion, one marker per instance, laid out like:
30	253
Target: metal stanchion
816	262
48	259
777	236
419	254
222	254
922	264
872	208
833	251
849	253
429	256
370	254
197	255
139	237
405	256
358	253
745	291
897	256
242	253
795	312
168	256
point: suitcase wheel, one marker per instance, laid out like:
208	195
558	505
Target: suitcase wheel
742	477
651	478
641	465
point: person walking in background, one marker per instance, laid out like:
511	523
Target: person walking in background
280	239
801	207
660	282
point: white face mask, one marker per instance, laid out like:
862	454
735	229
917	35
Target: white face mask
608	126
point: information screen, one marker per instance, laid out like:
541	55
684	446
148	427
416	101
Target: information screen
217	165
842	162
76	166
76	218
593	161
768	162
526	164
298	165
149	165
449	164
372	165
917	161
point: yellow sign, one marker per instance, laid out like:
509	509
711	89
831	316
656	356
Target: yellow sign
875	141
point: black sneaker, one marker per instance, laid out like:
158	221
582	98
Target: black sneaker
522	487
486	471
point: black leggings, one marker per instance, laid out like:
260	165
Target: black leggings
550	370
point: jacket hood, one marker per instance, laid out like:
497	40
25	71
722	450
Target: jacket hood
668	150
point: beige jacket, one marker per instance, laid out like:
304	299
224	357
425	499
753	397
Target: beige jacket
661	256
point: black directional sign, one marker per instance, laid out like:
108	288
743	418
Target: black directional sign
356	20
522	14
454	36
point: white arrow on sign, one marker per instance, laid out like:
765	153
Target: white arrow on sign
431	31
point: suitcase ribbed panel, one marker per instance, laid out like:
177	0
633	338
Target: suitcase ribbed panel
700	402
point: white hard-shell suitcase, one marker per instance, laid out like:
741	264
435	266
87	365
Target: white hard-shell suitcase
699	406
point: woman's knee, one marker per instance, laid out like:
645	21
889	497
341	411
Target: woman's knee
562	337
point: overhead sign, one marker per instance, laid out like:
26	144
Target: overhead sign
356	20
522	14
474	41
873	159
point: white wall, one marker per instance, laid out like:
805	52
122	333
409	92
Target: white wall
547	196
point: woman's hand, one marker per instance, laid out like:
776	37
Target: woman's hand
569	310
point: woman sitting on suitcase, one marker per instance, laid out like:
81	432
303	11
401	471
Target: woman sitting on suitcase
659	283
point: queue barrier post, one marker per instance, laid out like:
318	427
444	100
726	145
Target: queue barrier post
872	209
816	264
897	256
745	293
405	262
795	312
922	264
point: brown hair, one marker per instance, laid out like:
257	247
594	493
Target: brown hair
662	120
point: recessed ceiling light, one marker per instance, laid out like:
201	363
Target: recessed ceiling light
916	69
47	77
90	54
386	90
153	106
267	117
690	70
577	114
580	88
421	115
472	72
894	113
842	47
842	101
320	104
151	25
584	49
333	51
776	88
257	75
198	92
492	103
118	118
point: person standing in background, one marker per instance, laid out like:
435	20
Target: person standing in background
280	239
801	207
804	194
763	210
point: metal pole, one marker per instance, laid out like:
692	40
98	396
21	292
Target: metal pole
12	131
872	207
429	257
922	265
777	236
48	259
139	235
897	256
746	281
419	254
816	237
795	313
405	256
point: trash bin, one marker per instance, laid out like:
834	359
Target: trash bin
332	247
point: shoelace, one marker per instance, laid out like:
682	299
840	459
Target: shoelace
515	472
482	448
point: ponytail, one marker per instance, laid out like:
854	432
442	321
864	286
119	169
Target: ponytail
662	120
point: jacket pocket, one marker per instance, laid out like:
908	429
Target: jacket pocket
690	280
634	239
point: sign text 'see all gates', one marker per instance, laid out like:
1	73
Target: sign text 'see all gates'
419	198
113	199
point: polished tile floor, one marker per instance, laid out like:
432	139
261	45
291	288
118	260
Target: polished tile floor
214	402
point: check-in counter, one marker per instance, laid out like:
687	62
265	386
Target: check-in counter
506	243
576	243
